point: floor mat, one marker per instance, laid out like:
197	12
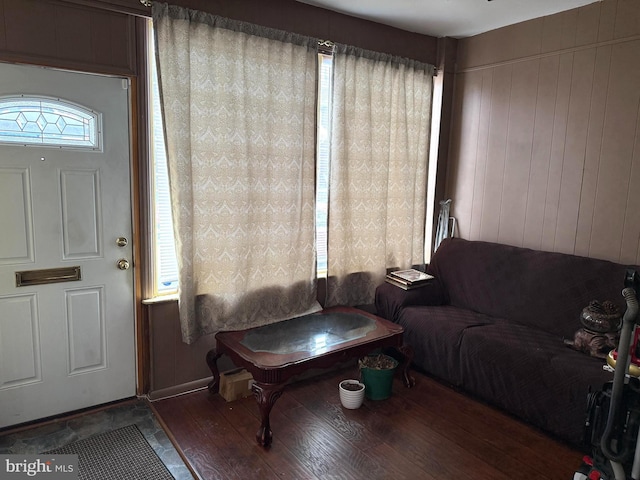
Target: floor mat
122	454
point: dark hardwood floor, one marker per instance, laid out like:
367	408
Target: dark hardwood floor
428	432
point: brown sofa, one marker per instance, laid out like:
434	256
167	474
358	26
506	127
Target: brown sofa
493	323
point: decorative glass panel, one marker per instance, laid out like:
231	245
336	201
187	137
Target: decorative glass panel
49	122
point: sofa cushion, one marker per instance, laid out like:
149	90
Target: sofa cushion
390	300
531	374
539	289
435	333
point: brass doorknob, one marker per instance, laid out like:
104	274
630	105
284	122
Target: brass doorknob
123	264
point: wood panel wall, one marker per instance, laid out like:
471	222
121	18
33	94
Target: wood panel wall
545	148
76	37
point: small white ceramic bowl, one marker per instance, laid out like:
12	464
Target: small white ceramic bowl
351	393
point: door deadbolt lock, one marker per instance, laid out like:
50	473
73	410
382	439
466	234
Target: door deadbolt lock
122	241
123	264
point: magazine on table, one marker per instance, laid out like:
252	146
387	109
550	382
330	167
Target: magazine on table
411	275
408	279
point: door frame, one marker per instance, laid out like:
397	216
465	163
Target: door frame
141	206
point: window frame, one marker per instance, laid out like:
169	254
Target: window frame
91	119
158	165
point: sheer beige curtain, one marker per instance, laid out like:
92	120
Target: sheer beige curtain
239	111
378	179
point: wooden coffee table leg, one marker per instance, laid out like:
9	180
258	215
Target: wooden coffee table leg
266	394
212	362
407	352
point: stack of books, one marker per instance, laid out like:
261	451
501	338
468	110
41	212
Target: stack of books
408	279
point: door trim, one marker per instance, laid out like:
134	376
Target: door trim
140	202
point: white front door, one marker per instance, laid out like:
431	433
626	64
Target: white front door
65	343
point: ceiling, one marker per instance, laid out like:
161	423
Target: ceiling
448	18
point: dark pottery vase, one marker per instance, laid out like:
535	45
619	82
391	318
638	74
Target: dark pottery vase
601	317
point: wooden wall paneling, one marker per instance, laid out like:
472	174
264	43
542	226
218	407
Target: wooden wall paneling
3	28
581	182
507	43
551	33
175	364
133	7
30	27
627	19
163	344
574	152
74	33
112	40
62	35
559	31
608	12
561	112
569	27
541	151
463	173
630	248
587	26
480	51
519	41
191	365
482	143
593	149
524	84
496	152
623	96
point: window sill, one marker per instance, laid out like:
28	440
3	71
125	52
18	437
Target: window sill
160	299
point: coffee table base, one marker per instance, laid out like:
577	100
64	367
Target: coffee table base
267	394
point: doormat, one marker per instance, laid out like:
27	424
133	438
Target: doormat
122	454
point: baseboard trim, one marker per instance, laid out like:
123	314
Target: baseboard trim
202	383
181	389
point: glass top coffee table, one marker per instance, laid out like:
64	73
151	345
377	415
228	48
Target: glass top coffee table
275	353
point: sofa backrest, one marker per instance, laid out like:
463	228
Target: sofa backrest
542	289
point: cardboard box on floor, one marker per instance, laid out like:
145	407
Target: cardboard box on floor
235	384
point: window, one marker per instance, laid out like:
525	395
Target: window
165	269
325	62
165	265
52	122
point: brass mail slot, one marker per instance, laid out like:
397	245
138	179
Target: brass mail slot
49	275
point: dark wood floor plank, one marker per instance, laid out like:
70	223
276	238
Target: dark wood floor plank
394	429
190	439
333	450
478	442
395	411
279	458
321	398
226	440
217	441
428	432
512	437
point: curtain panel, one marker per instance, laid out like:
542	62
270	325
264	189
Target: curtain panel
239	110
378	178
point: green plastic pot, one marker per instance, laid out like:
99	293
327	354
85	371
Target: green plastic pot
378	382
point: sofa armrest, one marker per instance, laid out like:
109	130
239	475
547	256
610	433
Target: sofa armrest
391	299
